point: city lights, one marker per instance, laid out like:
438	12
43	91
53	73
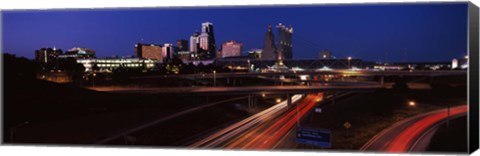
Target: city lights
411	103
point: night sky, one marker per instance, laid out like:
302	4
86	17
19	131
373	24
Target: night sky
413	32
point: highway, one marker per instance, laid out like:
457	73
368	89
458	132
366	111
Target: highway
408	134
263	130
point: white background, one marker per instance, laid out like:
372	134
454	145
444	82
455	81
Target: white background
82	151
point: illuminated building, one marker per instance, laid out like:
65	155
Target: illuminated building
284	47
231	48
168	51
110	64
255	53
207	42
47	55
460	63
148	51
194	42
78	52
268	51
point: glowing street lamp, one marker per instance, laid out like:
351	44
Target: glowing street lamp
349	58
214	78
279	100
412	103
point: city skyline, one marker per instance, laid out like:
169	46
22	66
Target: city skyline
414	32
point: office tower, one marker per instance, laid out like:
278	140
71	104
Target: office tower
47	55
207	42
182	45
194	42
268	51
284	47
168	51
148	51
231	49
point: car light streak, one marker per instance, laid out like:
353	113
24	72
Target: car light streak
402	142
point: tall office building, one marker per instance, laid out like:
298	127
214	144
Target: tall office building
194	42
207	42
168	51
268	51
182	45
148	51
48	57
231	49
284	47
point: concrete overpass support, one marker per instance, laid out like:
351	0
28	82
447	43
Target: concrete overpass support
289	100
382	80
252	101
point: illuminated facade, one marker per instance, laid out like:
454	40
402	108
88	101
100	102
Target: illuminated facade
149	51
78	52
110	64
284	50
255	53
231	49
47	55
168	51
194	42
207	42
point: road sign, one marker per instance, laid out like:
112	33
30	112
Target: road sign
347	125
316	137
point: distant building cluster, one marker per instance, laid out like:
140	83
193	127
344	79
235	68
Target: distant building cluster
200	47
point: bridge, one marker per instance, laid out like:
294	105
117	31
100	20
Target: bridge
312	72
296	89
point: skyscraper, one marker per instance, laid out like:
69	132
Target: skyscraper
231	48
207	42
284	49
48	57
168	51
268	45
194	42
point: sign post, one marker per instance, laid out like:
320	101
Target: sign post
316	137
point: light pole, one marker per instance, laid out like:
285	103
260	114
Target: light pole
349	58
94	75
214	78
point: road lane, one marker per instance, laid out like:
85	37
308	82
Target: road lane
402	136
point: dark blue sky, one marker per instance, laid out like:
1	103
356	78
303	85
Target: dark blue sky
413	32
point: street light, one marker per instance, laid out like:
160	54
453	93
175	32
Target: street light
214	78
349	58
412	103
278	100
94	75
